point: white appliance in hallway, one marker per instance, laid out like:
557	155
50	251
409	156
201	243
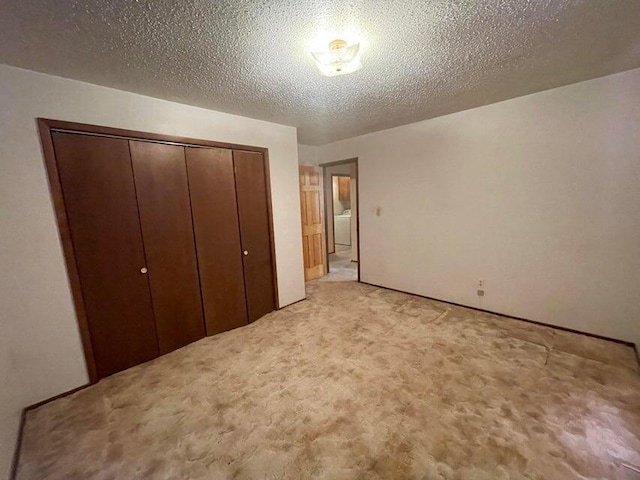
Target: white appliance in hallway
342	228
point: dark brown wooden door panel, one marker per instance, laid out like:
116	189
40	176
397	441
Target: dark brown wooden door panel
165	214
100	200
253	213
214	207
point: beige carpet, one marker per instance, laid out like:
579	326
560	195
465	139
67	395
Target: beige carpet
355	383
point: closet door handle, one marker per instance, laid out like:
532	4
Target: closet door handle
245	253
143	270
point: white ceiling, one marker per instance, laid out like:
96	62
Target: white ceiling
251	57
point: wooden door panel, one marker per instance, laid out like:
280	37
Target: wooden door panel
217	231
100	201
344	189
313	229
313	252
167	229
255	235
313	221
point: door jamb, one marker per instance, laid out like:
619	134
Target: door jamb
357	178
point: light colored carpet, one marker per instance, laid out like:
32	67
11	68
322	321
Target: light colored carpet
356	382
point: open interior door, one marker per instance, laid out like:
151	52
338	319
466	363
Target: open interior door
313	231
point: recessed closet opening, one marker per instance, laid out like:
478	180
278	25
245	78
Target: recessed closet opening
166	239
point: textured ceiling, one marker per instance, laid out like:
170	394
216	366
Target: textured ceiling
420	58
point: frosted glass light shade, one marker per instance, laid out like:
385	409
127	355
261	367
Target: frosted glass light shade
340	59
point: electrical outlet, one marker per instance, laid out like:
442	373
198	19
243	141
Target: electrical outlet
480	293
481	284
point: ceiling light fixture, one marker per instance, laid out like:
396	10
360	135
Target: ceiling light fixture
340	59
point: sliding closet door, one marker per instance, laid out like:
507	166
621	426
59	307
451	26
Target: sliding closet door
100	201
255	233
215	220
167	229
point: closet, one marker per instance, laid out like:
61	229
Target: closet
166	241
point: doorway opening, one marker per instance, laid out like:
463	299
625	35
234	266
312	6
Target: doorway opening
341	213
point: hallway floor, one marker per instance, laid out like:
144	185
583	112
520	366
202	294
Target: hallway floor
357	382
341	268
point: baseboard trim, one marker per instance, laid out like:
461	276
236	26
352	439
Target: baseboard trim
16	451
293	303
557	327
33	406
23	416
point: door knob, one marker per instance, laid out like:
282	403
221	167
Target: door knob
143	270
245	253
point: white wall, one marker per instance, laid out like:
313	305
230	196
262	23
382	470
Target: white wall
41	354
539	196
307	155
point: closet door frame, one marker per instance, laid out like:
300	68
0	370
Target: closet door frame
46	128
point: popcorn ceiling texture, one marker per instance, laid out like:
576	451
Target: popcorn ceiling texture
248	57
